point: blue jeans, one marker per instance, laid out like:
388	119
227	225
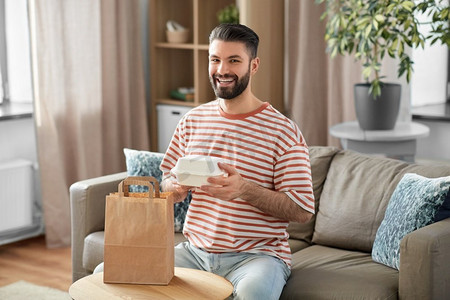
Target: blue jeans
254	276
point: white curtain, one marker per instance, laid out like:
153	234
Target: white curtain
319	90
89	96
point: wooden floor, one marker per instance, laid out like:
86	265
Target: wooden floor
30	260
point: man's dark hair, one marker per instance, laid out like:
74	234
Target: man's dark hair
236	33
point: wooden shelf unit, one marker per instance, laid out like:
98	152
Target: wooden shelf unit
186	65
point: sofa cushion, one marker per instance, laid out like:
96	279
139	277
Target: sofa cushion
444	211
297	245
145	163
320	272
93	250
432	171
354	199
413	205
320	158
355	196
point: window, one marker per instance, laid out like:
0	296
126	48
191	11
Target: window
15	60
3	71
429	81
448	76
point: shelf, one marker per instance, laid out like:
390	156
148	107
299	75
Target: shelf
175	46
203	47
182	46
175	102
175	65
174	69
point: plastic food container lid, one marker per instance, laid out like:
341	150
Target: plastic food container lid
194	170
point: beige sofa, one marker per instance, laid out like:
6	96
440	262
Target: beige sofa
332	253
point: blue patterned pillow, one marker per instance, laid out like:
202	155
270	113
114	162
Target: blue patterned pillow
144	163
444	211
414	204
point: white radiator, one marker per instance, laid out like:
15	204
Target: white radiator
16	194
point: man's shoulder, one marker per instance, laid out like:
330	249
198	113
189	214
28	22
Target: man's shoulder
275	115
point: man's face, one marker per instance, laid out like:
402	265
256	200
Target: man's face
230	68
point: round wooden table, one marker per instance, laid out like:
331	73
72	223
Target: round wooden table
186	284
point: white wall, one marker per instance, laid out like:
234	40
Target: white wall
435	147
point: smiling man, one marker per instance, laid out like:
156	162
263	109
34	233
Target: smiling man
236	226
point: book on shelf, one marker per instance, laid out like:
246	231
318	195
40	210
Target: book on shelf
185	94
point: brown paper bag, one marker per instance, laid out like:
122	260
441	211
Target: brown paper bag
139	237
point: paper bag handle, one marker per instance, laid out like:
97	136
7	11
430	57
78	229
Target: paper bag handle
140	180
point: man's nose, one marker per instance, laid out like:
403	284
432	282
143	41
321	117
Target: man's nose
222	68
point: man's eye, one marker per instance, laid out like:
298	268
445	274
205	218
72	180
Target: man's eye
213	60
234	61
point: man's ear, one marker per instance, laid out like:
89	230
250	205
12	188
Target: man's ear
254	65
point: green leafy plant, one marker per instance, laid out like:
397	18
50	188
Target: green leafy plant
229	14
370	29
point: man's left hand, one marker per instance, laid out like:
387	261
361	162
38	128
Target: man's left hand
225	188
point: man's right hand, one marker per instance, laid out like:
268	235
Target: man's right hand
179	192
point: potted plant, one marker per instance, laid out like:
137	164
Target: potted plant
229	14
369	30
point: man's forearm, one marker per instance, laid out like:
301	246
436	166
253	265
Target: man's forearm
277	204
233	186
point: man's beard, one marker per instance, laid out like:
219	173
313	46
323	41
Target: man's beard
230	92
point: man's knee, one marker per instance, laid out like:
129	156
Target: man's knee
262	277
98	268
253	288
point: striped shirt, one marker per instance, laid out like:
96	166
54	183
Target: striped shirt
265	147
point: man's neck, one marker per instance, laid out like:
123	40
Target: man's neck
240	105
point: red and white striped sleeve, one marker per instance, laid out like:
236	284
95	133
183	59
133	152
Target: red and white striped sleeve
292	175
174	151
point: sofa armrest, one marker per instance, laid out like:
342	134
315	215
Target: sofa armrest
87	209
424	262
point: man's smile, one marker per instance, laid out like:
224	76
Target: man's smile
224	81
